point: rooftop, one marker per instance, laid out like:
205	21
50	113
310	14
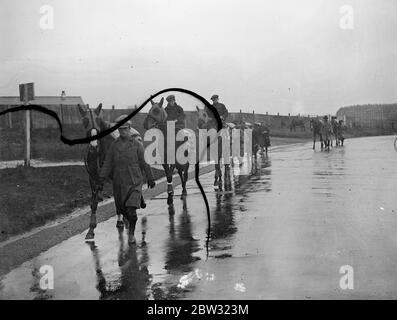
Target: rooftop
44	100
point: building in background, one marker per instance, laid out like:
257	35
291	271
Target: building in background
65	107
380	116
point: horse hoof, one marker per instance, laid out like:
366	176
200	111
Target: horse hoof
90	235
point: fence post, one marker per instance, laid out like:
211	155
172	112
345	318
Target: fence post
27	131
10	119
62	120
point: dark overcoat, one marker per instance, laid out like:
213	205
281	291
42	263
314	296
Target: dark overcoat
221	108
125	164
176	113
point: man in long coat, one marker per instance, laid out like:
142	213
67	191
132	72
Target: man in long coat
125	164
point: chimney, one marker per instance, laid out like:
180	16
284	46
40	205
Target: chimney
63	95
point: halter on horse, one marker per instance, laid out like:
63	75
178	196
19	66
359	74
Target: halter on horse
157	118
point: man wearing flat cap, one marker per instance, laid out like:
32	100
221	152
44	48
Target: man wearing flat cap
126	164
175	112
220	107
326	131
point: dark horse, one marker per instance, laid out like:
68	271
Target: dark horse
94	158
157	118
316	126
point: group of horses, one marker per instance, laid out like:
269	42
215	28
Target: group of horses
94	123
327	131
157	117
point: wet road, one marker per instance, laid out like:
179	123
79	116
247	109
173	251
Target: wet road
283	231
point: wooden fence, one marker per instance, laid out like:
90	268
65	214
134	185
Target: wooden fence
69	115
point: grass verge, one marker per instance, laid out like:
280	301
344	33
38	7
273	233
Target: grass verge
30	197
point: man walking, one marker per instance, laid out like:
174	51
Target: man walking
125	163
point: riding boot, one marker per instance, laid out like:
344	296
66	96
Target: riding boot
143	203
119	223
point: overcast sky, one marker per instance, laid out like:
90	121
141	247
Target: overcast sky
276	56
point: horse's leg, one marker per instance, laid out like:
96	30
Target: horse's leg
94	204
220	172
183	183
314	141
168	169
120	222
144	228
321	141
185	178
216	174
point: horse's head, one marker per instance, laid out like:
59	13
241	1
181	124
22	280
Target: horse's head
315	124
92	120
156	115
203	118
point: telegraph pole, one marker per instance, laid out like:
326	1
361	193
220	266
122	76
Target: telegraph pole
26	93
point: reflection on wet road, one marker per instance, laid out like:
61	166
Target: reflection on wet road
281	229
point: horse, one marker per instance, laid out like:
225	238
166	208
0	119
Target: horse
335	130
206	122
297	123
341	129
260	139
326	132
94	123
316	126
157	118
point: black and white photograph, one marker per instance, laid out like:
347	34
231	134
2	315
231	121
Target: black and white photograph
203	150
